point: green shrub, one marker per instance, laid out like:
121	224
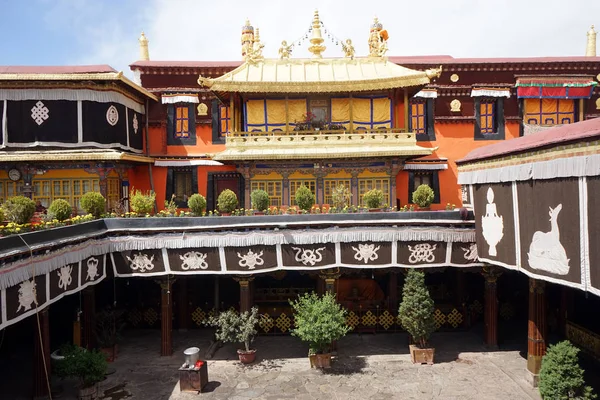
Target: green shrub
416	310
88	365
142	202
305	198
60	209
373	198
197	204
18	209
1	215
340	197
235	328
561	377
318	320
93	203
423	196
260	200
227	201
171	205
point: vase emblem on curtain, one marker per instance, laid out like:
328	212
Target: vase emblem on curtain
251	259
546	253
492	224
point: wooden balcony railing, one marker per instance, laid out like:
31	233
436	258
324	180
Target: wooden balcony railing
316	132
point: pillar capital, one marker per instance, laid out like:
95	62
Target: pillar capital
244	281
536	286
166	284
491	273
330	274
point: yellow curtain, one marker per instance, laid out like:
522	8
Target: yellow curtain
255	114
340	110
361	110
381	110
296	110
275	112
548	111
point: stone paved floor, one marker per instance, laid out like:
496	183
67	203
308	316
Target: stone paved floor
367	367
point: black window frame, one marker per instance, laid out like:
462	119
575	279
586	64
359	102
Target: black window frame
499	119
215	106
429	135
435	183
171	121
171	183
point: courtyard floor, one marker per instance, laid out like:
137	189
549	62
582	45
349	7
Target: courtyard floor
367	367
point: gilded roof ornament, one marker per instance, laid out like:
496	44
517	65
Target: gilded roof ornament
285	51
348	49
144	53
247	38
434	72
590	50
317	39
378	38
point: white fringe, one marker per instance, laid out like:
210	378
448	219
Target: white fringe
180	98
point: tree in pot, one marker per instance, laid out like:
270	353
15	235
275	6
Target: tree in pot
340	197
423	197
416	316
197	204
237	328
227	202
320	321
561	377
109	324
305	198
373	199
89	366
260	201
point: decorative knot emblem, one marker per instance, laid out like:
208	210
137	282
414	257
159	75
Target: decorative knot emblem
92	269
308	256
64	277
193	260
141	262
27	295
40	113
422	253
470	252
366	252
112	115
135	124
251	259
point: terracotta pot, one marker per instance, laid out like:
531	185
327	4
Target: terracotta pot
320	360
259	213
428	208
110	352
247	357
89	393
225	214
374	209
421	356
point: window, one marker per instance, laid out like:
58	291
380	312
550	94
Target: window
221	121
113	192
330	184
181	182
71	190
273	189
421	119
549	112
181	124
9	188
489	118
320	111
366	184
295	185
429	178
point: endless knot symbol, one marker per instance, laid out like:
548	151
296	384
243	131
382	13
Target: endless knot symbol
141	262
40	113
366	252
64	277
308	256
135	124
112	115
193	260
251	259
421	252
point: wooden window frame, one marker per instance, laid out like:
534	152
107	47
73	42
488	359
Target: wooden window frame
172	138
263	184
312	185
218	137
498	110
172	182
386	192
327	188
428	111
435	184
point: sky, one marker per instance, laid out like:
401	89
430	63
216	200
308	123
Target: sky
75	32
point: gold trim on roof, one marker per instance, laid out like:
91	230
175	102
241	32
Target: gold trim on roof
318	76
45	155
101	76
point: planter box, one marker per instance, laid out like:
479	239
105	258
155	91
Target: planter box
110	352
320	360
421	356
191	380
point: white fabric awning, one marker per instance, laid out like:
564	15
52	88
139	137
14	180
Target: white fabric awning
184	163
425	166
427	94
490	92
179	98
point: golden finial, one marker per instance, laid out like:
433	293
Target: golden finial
285	51
247	38
377	39
144	54
317	39
590	50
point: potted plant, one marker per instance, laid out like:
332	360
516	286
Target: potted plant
237	328
109	324
304	198
260	201
89	366
60	209
227	202
320	321
416	316
142	203
340	197
423	197
561	377
373	199
197	204
18	209
93	203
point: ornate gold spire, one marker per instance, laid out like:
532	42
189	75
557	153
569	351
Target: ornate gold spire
317	39
144	54
247	38
590	50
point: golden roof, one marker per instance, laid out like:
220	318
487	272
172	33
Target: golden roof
326	75
327	146
71	155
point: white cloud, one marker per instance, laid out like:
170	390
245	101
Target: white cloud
210	30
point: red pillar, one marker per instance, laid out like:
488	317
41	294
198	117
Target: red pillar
490	336
393	292
245	292
41	355
182	304
89	318
536	332
166	318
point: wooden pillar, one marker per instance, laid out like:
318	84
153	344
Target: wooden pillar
536	332
490	335
354	189
285	192
245	292
393	292
182	304
330	278
89	318
406	105
217	299
41	355
166	318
